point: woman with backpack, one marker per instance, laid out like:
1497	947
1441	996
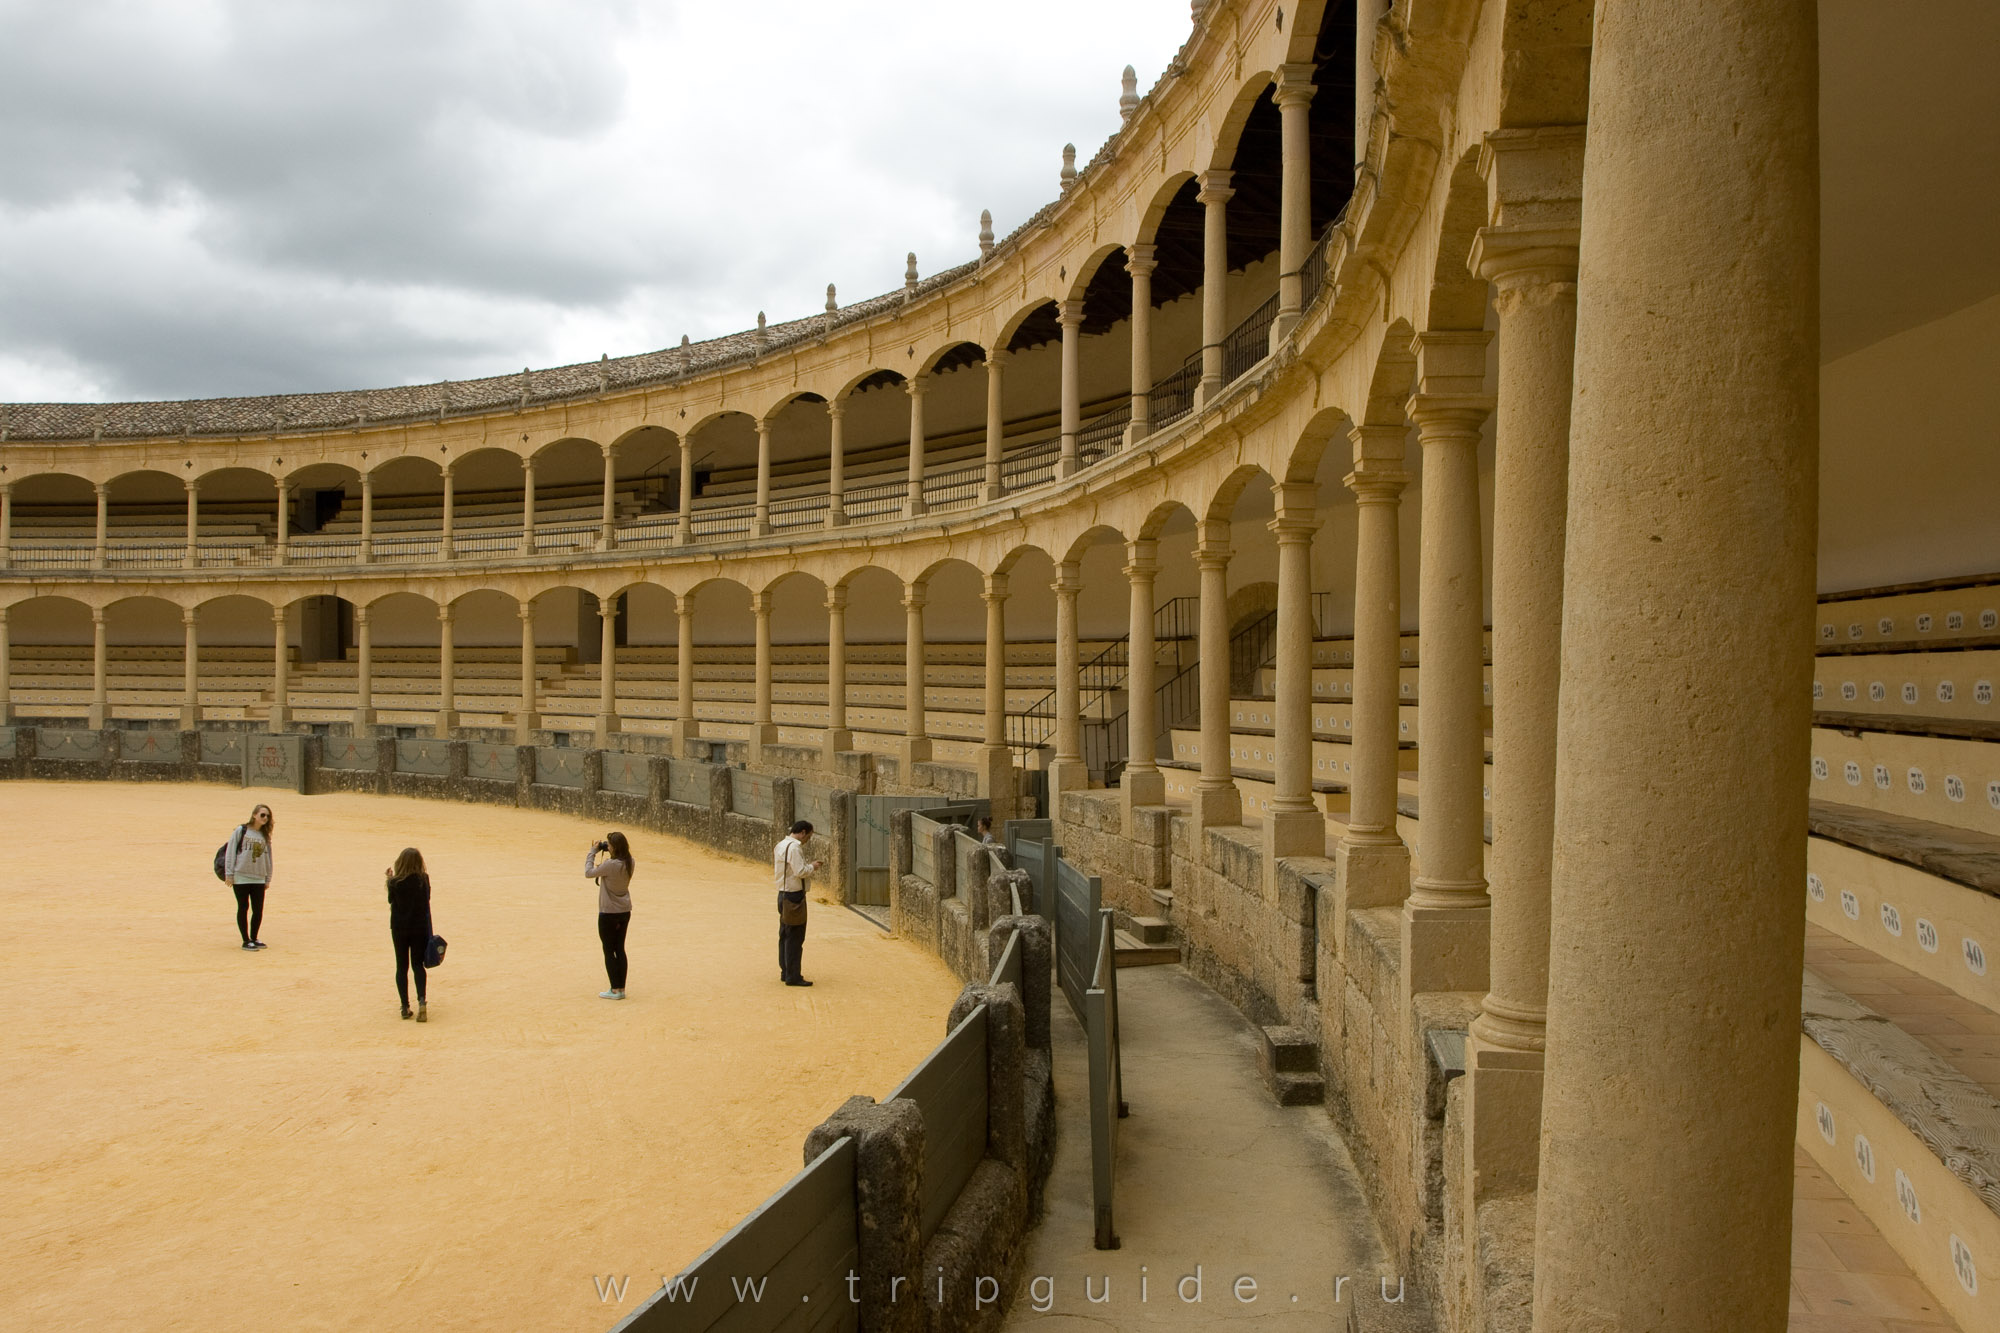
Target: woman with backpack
614	905
245	866
410	925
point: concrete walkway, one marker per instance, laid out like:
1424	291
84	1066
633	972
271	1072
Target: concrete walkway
1213	1176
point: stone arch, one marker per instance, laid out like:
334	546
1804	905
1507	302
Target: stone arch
1222	504
1393	378
1457	299
1328	426
1087	268
1026	321
1156	210
1102	534
1161	515
950	355
1229	129
798	607
1302	27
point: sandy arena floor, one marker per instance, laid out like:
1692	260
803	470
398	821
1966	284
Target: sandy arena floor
200	1137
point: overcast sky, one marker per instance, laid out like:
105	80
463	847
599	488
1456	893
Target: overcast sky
215	197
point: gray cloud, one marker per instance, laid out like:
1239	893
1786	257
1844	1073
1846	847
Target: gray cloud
248	196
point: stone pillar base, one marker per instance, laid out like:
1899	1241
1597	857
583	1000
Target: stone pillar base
1137	431
1282	326
1066	466
604	724
1445	949
1294	833
363	721
276	718
1206	391
445	723
1065	775
761	528
1367	874
995	493
688	729
190	717
836	517
1217	806
996	781
1503	1110
95	718
833	743
761	736
914	750
915	508
1144	786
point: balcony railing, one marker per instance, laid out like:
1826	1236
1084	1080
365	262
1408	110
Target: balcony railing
1249	342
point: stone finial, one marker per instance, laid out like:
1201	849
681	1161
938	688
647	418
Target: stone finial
831	304
1069	165
1194	9
985	233
910	272
1128	95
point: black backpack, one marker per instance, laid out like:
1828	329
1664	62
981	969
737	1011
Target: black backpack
222	853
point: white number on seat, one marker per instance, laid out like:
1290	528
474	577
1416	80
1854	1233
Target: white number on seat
1892	920
1850	904
1927	937
1852	773
1815	888
1864	1157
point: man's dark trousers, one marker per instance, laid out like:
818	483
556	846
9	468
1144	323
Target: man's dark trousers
791	939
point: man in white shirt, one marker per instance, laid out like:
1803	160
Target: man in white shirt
789	869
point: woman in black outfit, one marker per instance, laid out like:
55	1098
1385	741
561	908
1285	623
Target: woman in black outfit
410	924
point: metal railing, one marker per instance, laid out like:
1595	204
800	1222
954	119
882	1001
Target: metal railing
1173	397
1249	342
959	485
1249	649
1103	435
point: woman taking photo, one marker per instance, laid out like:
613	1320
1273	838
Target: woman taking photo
247	870
614	905
410	924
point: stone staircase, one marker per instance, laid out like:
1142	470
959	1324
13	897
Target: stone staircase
1290	1061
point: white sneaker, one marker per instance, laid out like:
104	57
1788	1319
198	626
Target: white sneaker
611	995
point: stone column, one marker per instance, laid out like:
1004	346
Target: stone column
446	549
1140	263
100	698
838	738
279	716
1070	315
190	670
6	673
1216	800
193	485
997	759
762	731
101	554
606	721
1293	94
1143	782
684	529
1448	914
913	503
6	524
283	554
836	497
447	714
1685	716
367	518
686	728
527	721
1534	183
760	524
996	422
916	743
607	534
1067	771
364	685
1214	196
528	505
1372	865
1295	825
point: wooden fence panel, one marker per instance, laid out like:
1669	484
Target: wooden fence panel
800	1243
949	1088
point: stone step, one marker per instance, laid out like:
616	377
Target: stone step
1290	1061
1128	950
1152	930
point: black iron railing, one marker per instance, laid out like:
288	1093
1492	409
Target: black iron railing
1173	397
1249	342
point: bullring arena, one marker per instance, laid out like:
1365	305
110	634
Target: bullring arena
1470	522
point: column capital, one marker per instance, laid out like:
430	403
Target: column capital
915	385
997	357
610	450
525	612
1446	417
836	598
1211	548
1379	444
760	602
188	616
1297	518
1451	361
1141	558
1376	485
914	595
193	484
763	426
97	615
995	589
1214	187
1141	260
528	464
1069	313
360	614
1293	86
102	488
685	606
446	614
607	605
836	407
278	614
1068	581
368	481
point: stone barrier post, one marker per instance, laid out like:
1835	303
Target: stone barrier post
1006	1052
888	1208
